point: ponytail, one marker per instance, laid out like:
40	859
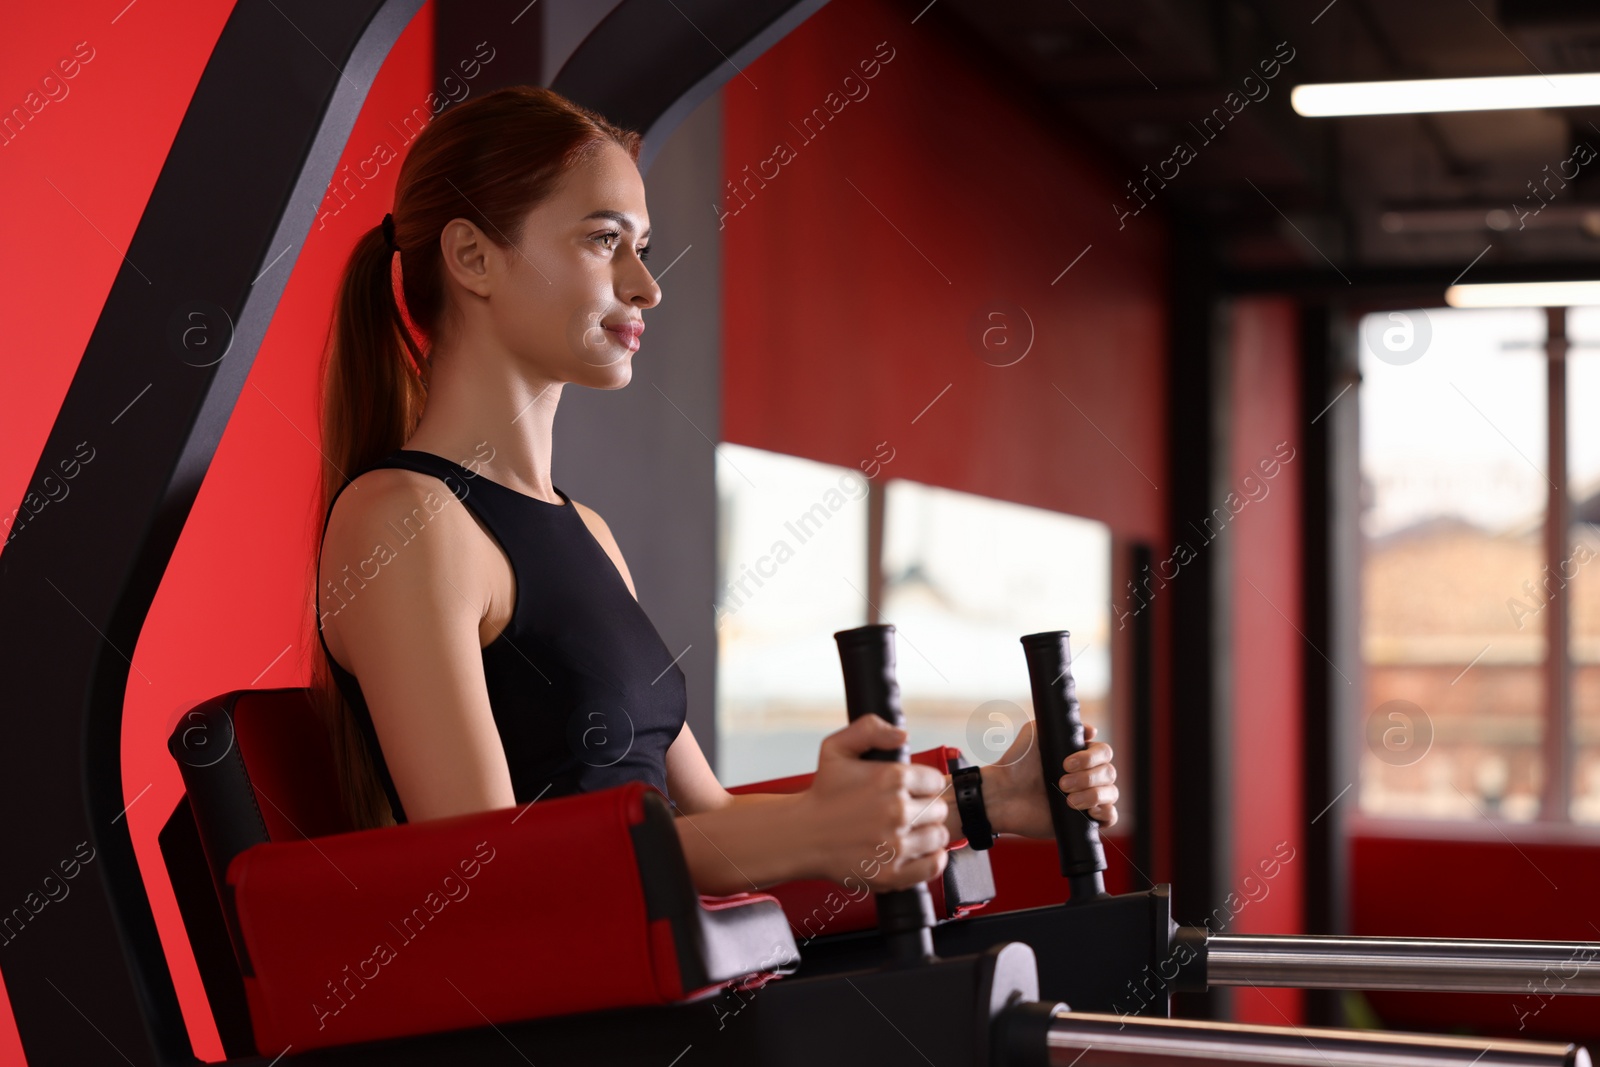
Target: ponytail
373	356
491	161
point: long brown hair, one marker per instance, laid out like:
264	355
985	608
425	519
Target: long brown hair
490	161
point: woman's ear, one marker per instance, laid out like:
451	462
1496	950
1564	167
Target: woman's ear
466	253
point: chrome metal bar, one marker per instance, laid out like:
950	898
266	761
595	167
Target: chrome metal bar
1077	1039
1542	968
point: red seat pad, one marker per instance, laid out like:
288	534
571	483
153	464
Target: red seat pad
517	913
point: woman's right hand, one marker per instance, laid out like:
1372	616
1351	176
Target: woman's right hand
879	822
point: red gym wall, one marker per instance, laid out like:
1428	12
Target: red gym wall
1261	509
1468	887
854	272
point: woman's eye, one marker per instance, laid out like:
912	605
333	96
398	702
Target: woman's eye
609	235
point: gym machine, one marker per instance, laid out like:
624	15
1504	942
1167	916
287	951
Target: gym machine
285	912
1028	1031
588	982
1125	955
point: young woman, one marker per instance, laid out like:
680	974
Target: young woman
481	642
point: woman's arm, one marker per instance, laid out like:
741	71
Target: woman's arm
882	824
733	842
410	631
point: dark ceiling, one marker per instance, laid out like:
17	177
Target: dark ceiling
1274	191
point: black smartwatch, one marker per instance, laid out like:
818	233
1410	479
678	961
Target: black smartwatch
968	782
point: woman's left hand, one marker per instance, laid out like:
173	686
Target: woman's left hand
1021	806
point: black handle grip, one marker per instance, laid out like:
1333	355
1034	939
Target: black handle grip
1058	729
866	655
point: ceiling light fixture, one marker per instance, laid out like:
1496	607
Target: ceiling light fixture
1445	94
1523	295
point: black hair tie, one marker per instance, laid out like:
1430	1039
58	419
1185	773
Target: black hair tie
388	232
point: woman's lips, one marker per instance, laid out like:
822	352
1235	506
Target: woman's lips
628	333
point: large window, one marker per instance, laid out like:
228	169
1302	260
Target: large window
792	570
1464	689
964	577
961	577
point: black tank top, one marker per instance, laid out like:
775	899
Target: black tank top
584	692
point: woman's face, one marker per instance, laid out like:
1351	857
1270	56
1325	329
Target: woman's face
567	301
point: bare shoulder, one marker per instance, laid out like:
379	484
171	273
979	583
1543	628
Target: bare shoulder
407	528
391	504
602	533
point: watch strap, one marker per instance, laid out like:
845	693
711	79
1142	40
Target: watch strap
968	783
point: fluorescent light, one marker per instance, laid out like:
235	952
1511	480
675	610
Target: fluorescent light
1523	295
1446	94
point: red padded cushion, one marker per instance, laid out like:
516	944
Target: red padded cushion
437	925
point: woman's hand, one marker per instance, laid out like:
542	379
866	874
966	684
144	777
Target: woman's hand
1020	805
879	823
